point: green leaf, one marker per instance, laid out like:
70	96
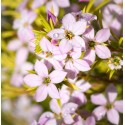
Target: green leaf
111	73
89	6
7	34
45	24
38	49
31	71
100	18
120	41
99	6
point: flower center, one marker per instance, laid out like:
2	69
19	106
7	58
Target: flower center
68	35
46	80
25	24
108	106
91	44
49	54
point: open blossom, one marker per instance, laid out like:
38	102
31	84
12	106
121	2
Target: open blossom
45	81
50	53
23	25
21	67
96	45
108	105
69	33
115	63
62	114
52	5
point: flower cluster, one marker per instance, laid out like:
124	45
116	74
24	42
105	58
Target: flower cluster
70	62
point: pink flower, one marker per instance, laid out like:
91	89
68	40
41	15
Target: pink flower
73	63
45	82
108	105
51	53
23	25
96	46
21	67
61	114
69	33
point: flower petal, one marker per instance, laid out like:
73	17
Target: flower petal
45	44
68	119
51	122
65	46
32	80
111	93
102	35
81	65
21	56
113	116
79	27
41	68
118	105
98	99
63	3
52	5
56	34
55	106
90	121
37	3
99	112
53	91
41	93
57	76
90	56
68	21
77	41
14	44
102	51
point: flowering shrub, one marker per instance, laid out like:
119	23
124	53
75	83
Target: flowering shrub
62	62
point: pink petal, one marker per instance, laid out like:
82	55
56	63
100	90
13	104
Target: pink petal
17	79
68	21
81	65
25	34
25	67
41	93
53	91
98	99
57	76
45	117
90	56
71	70
102	51
21	56
32	80
68	119
77	41
17	23
76	53
55	106
78	98
51	122
52	5
111	93
113	116
41	69
85	86
69	108
14	44
118	105
89	33
37	3
65	46
56	34
79	27
45	44
102	35
63	3
99	112
90	121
